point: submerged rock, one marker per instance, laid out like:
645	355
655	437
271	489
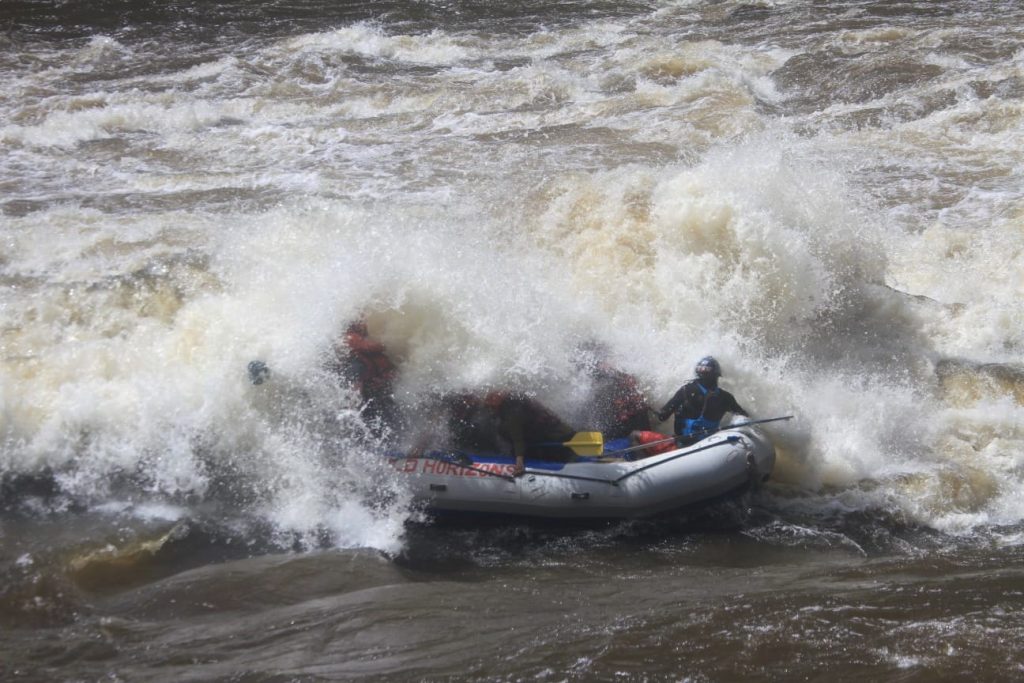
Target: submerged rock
965	382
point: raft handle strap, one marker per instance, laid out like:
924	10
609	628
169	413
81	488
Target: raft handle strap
577	477
727	440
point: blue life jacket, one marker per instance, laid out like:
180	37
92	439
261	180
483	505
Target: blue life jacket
699	426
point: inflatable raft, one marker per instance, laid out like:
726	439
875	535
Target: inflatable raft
599	487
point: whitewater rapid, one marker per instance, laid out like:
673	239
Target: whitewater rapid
835	215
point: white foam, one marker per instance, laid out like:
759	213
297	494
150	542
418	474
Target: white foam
369	40
470	193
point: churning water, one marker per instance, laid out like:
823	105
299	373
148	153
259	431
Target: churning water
826	196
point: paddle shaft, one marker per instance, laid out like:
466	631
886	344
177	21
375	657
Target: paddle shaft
743	424
627	475
706	431
726	440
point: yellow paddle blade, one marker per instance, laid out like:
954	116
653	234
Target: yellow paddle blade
586	443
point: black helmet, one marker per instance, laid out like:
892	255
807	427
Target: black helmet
708	368
258	372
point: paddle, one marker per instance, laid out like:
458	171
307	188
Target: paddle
746	424
641	446
758	422
582	443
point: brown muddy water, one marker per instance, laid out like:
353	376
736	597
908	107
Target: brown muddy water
824	195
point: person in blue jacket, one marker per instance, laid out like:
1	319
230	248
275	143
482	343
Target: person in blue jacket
700	404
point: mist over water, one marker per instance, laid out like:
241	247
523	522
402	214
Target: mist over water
824	196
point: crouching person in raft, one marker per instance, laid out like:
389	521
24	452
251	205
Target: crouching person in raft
530	428
458	422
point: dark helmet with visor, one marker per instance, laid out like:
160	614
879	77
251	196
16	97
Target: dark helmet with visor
708	368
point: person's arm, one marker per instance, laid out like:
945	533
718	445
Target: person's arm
511	428
670	407
516	434
347	365
736	408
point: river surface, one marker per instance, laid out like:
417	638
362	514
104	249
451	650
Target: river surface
827	196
